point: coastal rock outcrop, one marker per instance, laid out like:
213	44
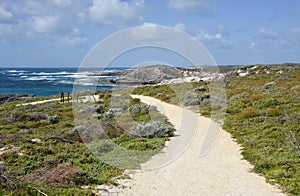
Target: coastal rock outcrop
149	75
8	98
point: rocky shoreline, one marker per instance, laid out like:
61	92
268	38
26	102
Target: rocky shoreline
9	98
163	74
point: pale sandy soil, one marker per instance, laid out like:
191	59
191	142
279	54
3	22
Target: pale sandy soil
82	99
38	102
222	171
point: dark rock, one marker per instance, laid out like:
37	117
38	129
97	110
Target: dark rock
200	88
205	96
100	109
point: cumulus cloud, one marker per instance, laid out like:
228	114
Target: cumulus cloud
45	24
4	15
75	38
35	19
116	12
180	27
199	6
62	4
206	36
268	33
59	17
214	39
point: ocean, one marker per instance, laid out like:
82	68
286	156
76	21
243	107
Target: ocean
52	81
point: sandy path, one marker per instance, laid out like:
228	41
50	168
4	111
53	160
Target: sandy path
82	99
38	102
220	172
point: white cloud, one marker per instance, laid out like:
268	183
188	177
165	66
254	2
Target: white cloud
45	24
267	33
149	32
214	39
180	27
150	24
4	15
32	7
206	36
116	12
72	40
47	7
199	6
75	38
62	3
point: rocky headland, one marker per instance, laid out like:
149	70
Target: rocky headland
163	74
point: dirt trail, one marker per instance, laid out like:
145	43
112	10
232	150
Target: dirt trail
220	172
82	99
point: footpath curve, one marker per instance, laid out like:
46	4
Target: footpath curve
220	172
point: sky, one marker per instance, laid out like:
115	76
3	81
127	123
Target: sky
59	33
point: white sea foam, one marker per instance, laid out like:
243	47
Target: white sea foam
16	71
76	83
38	78
50	73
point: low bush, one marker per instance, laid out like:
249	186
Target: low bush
191	99
17	116
273	112
152	129
53	119
267	103
248	113
37	116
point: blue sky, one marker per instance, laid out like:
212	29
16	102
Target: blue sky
59	33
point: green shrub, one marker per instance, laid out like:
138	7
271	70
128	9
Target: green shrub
53	119
267	103
248	113
152	129
273	112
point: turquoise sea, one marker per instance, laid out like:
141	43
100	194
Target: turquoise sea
52	81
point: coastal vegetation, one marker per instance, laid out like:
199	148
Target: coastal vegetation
43	151
262	115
